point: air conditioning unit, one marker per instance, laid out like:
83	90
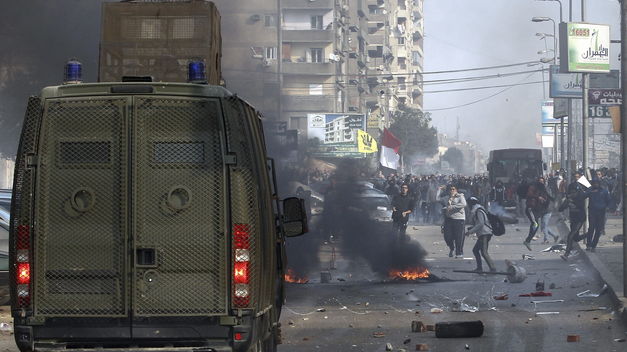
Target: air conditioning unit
255	18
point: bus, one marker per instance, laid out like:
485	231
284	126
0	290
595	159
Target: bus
511	166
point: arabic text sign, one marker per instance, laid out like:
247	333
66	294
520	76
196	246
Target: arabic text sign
564	85
547	118
605	97
588	47
599	111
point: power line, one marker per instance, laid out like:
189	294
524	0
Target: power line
479	100
486	87
434	82
402	74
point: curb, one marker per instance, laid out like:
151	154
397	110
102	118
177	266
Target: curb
614	285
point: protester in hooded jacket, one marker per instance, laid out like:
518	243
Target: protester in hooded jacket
600	200
575	203
481	227
538	201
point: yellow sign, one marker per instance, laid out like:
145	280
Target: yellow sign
365	142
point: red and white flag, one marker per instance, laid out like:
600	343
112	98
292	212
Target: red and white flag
390	146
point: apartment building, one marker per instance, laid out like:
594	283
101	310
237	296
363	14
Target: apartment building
291	58
395	56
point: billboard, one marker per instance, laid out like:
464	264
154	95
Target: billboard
335	135
587	46
568	85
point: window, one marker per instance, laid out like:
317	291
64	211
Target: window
402	62
315	89
179	152
401	40
402	5
316	22
270	53
316	55
183	28
401	83
269	21
415	57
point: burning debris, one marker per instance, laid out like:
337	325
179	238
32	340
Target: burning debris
291	277
410	274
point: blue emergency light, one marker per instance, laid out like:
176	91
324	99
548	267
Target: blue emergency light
73	72
196	72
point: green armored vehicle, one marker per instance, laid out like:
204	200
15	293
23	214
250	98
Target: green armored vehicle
145	217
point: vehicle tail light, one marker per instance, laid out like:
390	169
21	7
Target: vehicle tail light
23	273
241	265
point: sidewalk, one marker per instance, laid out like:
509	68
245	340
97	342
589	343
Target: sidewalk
608	261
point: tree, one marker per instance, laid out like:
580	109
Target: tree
413	129
455	158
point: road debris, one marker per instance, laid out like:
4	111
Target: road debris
503	297
422	347
592	309
536	294
573	338
555	248
407	341
436	310
547	313
588	293
528	257
619	238
535	303
454	329
320	310
619	340
430	327
467	346
552	286
388	347
418	326
378	334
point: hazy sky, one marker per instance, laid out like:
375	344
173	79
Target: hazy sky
477	33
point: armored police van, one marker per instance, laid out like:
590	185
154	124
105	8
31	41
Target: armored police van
145	217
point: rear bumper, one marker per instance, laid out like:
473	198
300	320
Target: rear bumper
136	349
78	338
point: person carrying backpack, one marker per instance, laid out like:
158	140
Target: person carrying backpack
481	227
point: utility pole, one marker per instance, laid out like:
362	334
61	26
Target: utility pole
623	128
571	120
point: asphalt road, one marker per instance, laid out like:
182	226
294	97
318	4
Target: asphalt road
360	304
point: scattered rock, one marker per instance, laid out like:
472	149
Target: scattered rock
351	326
467	347
573	338
619	340
407	341
552	286
619	238
418	326
321	310
388	347
436	310
422	347
290	322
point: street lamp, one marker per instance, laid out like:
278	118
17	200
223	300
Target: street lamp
561	18
545	19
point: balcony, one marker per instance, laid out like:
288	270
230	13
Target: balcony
307	4
377	17
376	39
308	68
307	103
308	36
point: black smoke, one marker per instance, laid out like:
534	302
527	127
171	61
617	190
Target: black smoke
359	237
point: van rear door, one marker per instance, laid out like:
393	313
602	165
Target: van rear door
179	206
131	215
81	212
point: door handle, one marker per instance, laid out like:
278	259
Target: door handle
146	258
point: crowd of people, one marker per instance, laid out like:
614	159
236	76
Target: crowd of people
454	201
